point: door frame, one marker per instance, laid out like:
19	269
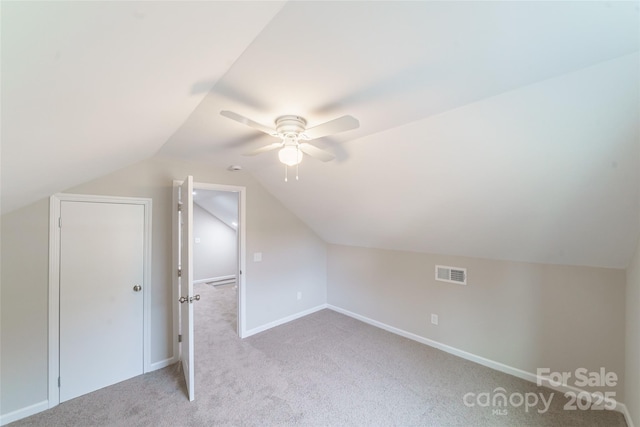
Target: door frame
54	282
241	248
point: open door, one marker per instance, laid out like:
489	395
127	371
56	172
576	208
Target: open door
186	282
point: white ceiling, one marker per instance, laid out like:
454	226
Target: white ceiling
91	87
506	130
221	204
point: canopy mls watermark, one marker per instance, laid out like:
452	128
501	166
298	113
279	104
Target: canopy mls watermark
499	400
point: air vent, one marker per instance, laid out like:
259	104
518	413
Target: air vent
451	274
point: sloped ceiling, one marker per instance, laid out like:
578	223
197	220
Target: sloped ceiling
505	130
91	87
221	204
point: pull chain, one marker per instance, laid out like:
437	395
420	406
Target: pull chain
286	167
299	156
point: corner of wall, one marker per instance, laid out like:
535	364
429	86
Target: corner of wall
632	339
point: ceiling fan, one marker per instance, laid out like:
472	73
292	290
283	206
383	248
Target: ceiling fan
292	131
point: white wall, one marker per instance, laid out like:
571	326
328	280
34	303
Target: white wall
632	353
523	315
215	250
294	259
24	313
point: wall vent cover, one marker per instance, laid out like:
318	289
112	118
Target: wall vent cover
451	274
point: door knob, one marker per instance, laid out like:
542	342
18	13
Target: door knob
137	288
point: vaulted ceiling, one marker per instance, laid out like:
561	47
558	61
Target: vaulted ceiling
506	130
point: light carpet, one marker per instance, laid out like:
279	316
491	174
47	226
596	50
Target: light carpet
325	369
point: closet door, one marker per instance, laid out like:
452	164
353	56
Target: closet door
101	295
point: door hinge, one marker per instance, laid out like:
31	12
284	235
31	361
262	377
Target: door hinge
180	338
58	382
179	272
59	222
179	207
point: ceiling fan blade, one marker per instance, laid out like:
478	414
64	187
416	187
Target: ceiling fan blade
264	149
331	127
315	152
248	122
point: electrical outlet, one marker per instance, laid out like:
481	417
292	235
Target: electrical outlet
257	257
434	319
299	295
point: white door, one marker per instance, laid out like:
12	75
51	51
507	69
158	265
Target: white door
186	283
101	295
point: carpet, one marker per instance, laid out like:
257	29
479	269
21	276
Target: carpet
325	369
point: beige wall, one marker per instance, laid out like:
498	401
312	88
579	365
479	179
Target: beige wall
24	307
522	315
294	259
632	355
215	248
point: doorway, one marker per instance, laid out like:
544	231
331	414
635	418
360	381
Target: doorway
241	257
183	280
215	249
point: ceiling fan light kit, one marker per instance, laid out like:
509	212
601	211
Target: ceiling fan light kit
291	129
290	155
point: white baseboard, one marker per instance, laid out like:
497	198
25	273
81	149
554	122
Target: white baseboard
621	407
627	416
215	279
529	376
162	364
24	412
283	320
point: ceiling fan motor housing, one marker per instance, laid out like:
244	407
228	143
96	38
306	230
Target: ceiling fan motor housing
290	126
